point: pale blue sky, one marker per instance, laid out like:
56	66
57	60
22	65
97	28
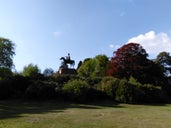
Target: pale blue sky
45	30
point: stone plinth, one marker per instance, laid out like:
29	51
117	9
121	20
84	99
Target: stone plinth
67	71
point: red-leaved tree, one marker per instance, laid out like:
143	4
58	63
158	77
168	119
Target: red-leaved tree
131	60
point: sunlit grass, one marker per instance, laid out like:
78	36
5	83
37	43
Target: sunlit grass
68	115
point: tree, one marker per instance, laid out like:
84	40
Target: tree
6	53
31	70
6	56
96	66
131	60
87	68
127	60
48	72
79	64
164	61
101	65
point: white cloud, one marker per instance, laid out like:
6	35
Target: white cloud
112	46
57	34
153	43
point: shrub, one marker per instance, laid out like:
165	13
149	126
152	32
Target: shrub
62	79
95	95
134	92
129	93
92	81
134	81
109	85
76	90
6	90
123	92
41	90
154	94
19	85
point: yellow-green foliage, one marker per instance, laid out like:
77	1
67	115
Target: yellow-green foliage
76	90
96	66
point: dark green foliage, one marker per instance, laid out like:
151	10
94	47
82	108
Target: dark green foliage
134	81
94	94
41	90
6	90
76	90
134	92
80	91
129	93
79	64
14	87
164	61
6	53
62	79
124	92
93	81
154	94
48	72
5	72
19	85
109	85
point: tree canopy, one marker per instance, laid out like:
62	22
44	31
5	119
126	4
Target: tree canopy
128	60
6	53
94	66
31	70
131	60
164	60
48	72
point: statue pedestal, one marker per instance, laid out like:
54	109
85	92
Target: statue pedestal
67	71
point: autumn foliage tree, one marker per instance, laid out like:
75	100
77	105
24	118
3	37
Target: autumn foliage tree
131	60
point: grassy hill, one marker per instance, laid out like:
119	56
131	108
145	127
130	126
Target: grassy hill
15	114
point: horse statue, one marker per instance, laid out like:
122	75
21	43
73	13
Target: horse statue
67	60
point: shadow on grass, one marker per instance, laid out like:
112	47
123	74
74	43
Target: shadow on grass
14	109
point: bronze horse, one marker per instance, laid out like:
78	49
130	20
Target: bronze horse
68	61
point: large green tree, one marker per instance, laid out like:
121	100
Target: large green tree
94	66
6	53
164	60
6	57
31	70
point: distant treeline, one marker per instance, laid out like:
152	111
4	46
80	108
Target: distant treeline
127	77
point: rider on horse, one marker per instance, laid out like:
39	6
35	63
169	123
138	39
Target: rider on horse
66	61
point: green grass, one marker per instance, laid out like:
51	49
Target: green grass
14	114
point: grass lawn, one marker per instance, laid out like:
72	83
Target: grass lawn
15	114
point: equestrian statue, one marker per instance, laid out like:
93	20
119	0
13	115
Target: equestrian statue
67	60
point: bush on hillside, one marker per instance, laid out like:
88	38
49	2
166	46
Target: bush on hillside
41	90
154	94
62	79
129	93
19	85
93	81
109	85
76	90
6	90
